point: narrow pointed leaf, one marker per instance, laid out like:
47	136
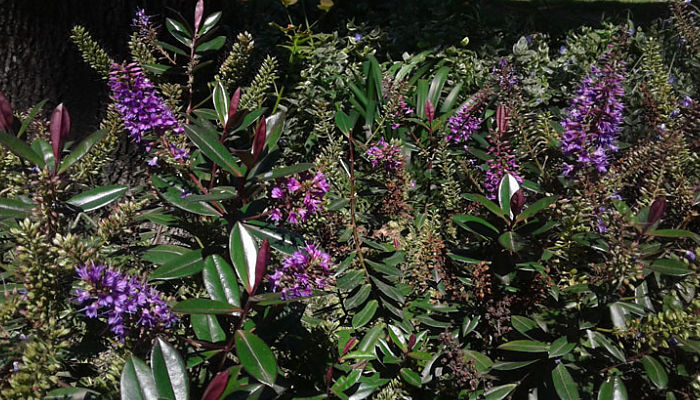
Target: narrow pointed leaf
536	207
411	377
499	392
564	384
257	359
205	306
206	327
208	142
221	103
365	315
59	129
13	208
98	197
612	389
526	346
188	264
655	371
21	149
220	281
174	194
217	386
137	381
244	254
82	149
261	261
169	372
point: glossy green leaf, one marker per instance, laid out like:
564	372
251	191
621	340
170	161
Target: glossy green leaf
462	221
208	142
244	254
257	359
564	384
215	194
365	315
560	347
188	264
204	306
14	208
220	281
137	381
214	44
159	255
359	297
174	194
411	377
669	267
673	233
490	205
97	197
71	393
523	325
370	339
176	26
509	240
526	346
612	389
169	372
511	365
209	22
481	361
536	207
82	149
21	149
43	148
206	327
221	102
285	171
655	371
499	392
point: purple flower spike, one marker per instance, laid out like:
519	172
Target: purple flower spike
297	199
138	103
301	272
128	303
387	155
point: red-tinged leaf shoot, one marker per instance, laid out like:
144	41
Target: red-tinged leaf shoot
430	111
261	264
656	211
233	108
6	117
259	139
348	346
216	386
502	114
59	129
198	13
517	202
411	342
329	374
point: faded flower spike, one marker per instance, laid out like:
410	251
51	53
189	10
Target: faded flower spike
128	303
303	271
297	199
138	103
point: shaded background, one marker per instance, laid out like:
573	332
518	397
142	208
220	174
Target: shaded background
38	60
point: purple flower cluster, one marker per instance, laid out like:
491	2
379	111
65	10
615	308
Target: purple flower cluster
507	79
297	199
466	121
127	302
303	271
403	110
387	155
141	21
594	118
138	103
502	162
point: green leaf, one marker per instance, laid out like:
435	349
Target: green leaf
612	389
451	99
490	205
669	267
13	208
358	298
215	194
509	241
673	233
176	26
411	377
560	347
221	102
97	197
526	346
220	281
536	207
462	221
506	188
365	315
274	125
81	150
159	255
204	306
512	365
208	141
691	345
600	339
285	171
523	324
370	340
437	84
564	384
30	118
256	357
21	149
214	44
655	371
44	149
188	264
72	393
169	372
173	194
206	327
137	381
244	254
482	363
499	392
388	290
209	22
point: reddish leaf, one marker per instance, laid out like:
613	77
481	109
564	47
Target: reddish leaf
411	342
261	263
656	211
517	201
259	140
6	117
502	114
329	374
198	13
233	108
349	345
216	386
60	128
429	111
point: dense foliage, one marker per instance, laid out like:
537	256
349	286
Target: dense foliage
514	221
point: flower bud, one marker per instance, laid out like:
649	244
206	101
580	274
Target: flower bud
6	117
517	201
656	211
429	111
60	128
